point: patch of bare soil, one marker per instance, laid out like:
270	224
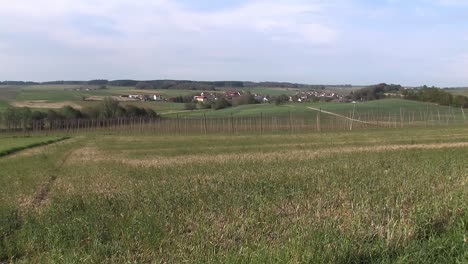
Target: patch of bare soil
42	196
117	98
45	104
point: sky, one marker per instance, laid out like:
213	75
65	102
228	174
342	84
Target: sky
358	42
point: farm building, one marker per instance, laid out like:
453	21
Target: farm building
201	98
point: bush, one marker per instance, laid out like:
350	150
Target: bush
244	99
190	106
221	103
281	99
201	105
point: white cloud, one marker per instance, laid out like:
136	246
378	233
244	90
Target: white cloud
165	19
335	41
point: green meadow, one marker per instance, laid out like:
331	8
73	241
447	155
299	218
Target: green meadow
367	196
387	106
459	91
40	96
3	106
11	144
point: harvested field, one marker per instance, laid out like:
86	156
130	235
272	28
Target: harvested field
118	98
45	104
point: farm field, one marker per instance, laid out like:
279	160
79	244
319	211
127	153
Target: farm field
56	96
3	105
388	106
459	91
380	196
43	97
9	144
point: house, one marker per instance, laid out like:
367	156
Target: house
201	98
141	97
232	94
209	96
157	97
260	98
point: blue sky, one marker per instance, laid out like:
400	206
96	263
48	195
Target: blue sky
308	41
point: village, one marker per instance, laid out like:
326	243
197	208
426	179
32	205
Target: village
204	97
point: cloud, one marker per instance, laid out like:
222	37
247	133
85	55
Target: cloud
273	20
321	41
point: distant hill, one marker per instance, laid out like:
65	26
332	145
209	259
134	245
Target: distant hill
179	84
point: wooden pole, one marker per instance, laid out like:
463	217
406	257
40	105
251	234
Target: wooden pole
401	117
290	122
463	112
352	118
261	123
438	113
204	123
318	120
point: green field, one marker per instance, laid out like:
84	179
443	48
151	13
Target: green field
388	106
9	144
459	91
3	106
65	93
40	97
380	196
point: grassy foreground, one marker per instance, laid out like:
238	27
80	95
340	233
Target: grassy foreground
393	196
12	144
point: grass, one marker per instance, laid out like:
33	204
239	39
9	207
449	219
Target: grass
59	93
10	145
3	106
387	106
459	91
316	198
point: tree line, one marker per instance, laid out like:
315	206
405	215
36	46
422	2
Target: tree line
23	117
223	102
422	94
436	95
375	92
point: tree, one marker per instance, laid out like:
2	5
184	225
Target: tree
281	99
436	95
221	103
25	116
133	111
244	99
190	106
110	108
144	86
69	112
52	115
11	117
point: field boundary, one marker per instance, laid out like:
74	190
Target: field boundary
34	145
